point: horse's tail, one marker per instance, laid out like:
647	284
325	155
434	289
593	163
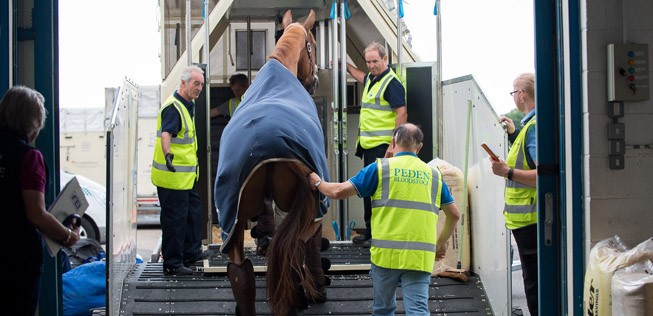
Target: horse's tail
286	274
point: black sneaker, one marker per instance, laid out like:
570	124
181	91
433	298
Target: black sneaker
206	254
359	239
183	270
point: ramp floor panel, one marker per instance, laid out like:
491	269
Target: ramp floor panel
147	291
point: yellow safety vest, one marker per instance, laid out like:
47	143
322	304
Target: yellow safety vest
183	146
377	118
233	105
521	199
405	209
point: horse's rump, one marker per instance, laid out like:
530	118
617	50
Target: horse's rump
277	121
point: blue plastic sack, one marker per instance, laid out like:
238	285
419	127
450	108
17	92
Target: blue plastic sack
84	288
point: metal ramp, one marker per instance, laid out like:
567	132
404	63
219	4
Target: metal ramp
148	292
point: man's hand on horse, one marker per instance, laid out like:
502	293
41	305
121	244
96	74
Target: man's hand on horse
169	158
314	179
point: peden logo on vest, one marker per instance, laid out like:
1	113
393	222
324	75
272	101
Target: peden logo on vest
411	176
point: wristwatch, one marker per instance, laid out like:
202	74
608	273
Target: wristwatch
317	184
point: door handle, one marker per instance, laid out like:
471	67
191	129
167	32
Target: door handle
548	218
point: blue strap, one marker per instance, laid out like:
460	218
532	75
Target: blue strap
401	9
435	9
333	10
336	230
334	7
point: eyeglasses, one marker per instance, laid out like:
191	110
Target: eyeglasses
513	93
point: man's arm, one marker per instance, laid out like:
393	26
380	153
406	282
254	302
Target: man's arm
452	214
220	109
333	190
215	112
358	74
165	142
527	177
402	115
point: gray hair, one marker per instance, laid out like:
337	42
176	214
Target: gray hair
377	47
408	135
188	71
22	111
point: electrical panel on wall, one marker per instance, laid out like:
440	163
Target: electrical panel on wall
628	72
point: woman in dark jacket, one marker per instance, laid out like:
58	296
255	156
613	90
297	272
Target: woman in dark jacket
23	181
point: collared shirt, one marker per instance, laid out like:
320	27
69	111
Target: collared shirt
395	93
531	143
171	120
366	181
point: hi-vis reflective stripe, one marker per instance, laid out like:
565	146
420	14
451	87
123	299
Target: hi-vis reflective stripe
403	245
521	209
376	133
406	204
379	107
384	84
177	168
517	185
385	193
176	140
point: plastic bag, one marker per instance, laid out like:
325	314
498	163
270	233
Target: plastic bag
84	288
607	257
632	289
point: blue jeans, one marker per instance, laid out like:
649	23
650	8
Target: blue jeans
414	288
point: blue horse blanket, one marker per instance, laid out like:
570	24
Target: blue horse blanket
276	119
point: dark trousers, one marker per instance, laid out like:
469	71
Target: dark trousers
370	156
526	238
181	226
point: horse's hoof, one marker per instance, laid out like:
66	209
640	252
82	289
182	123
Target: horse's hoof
239	313
322	297
295	312
327	281
262	245
326	264
325	244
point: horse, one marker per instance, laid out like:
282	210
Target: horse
272	142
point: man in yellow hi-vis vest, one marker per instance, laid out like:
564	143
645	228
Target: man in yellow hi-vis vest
175	173
383	108
407	195
238	84
520	171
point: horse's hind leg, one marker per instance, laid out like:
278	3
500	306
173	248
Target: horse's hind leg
241	275
290	283
317	266
240	269
264	229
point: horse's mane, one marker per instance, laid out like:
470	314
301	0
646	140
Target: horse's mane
286	51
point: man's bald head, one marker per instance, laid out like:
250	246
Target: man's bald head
409	136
